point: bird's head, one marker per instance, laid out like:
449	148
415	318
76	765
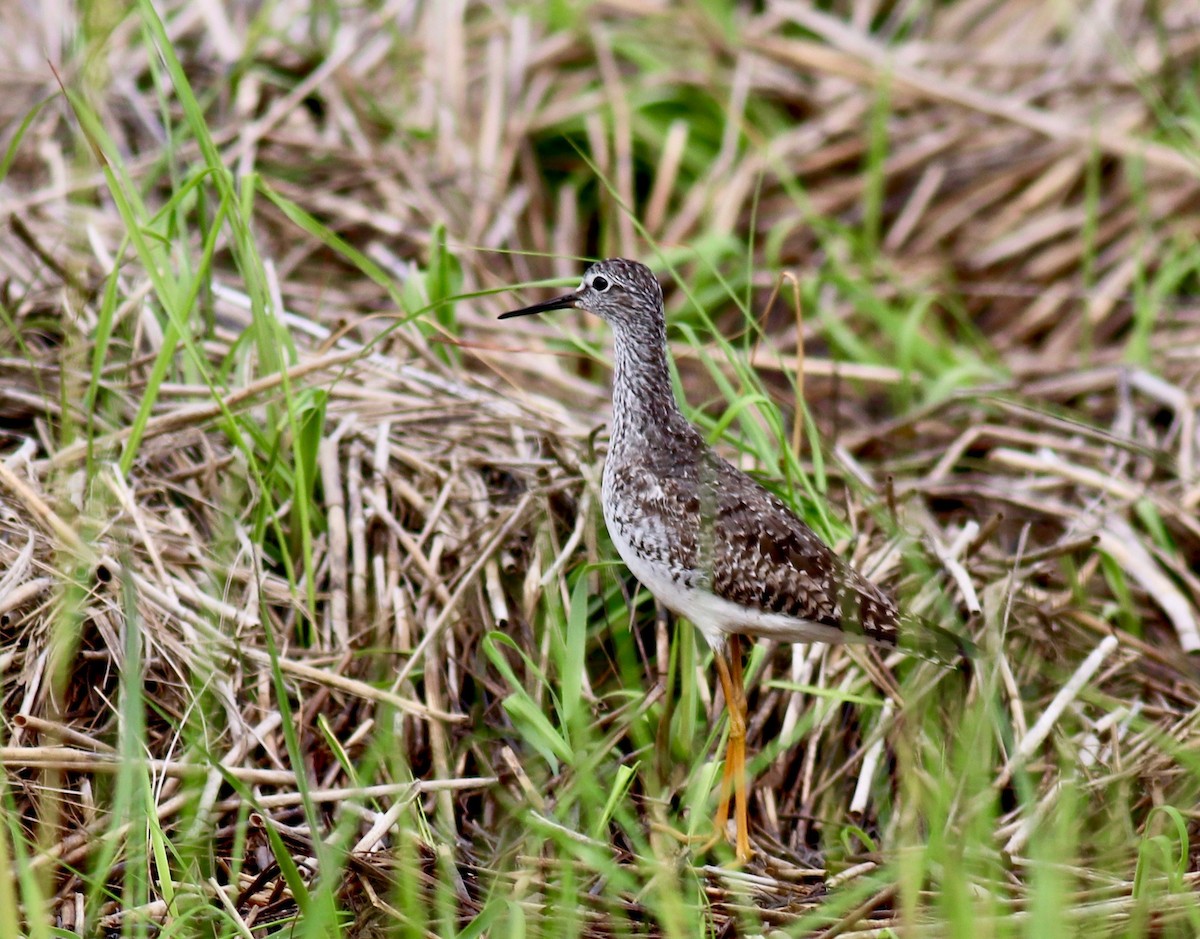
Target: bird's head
624	293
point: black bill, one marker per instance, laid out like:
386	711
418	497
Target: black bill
565	302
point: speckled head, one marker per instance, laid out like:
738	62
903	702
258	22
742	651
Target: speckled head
624	293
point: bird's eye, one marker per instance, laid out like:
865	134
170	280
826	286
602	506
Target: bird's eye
600	282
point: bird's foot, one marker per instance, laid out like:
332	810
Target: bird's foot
703	842
684	837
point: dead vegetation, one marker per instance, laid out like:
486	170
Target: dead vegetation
320	538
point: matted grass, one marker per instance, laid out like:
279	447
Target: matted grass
309	624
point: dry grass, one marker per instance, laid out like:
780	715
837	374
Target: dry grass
254	583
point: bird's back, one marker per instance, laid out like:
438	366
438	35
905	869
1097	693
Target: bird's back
716	547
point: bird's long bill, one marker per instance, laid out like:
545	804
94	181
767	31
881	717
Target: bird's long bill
565	302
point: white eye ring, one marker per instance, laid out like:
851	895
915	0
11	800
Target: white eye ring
599	283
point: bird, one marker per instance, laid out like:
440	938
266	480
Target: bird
706	540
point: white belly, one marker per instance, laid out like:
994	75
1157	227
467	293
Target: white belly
714	616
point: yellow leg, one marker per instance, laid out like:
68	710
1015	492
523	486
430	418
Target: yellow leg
737	742
726	790
729	671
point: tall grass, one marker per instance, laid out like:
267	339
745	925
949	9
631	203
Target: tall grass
570	788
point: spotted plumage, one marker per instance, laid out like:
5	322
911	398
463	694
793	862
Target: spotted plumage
707	540
711	543
713	530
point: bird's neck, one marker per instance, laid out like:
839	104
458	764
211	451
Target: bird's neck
644	404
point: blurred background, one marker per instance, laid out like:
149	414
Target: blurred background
308	618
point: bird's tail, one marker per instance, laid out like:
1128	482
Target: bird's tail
928	640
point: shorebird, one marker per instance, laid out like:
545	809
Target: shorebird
705	539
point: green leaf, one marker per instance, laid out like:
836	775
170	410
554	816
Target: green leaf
738	405
10	153
620	787
533	725
832	693
573	655
536	730
291	873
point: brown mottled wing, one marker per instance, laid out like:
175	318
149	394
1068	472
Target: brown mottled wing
765	558
714	528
